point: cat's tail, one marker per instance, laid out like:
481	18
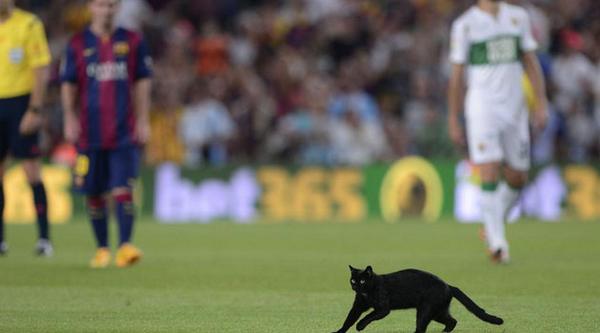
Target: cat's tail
474	308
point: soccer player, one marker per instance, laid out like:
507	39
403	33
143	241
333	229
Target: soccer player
493	41
24	60
106	98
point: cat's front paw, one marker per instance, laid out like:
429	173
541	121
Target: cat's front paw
361	325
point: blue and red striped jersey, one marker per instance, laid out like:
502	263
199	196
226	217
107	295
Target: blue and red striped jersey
105	71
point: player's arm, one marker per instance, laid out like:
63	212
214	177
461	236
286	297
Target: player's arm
69	91
533	70
39	60
455	102
32	119
142	89
40	82
459	51
68	94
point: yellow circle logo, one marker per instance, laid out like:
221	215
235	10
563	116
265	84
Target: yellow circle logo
411	187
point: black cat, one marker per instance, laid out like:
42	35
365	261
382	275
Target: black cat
406	289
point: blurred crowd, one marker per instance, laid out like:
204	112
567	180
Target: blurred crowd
329	82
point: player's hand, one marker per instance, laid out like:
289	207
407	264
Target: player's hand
142	131
455	131
31	123
72	130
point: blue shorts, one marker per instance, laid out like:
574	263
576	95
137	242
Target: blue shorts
99	171
11	140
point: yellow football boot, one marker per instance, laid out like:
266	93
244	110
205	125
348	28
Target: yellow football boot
127	255
101	259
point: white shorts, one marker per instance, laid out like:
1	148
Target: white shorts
492	138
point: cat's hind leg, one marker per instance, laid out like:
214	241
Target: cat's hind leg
445	318
424	317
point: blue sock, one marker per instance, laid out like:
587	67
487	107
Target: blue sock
98	216
41	209
1	213
124	207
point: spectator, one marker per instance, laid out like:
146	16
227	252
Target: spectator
206	125
134	15
573	76
352	95
370	56
303	135
212	50
356	140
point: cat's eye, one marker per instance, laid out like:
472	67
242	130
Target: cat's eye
353	281
362	281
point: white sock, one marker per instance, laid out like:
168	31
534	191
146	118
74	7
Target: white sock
501	233
492	220
508	198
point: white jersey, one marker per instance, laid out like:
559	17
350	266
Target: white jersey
491	48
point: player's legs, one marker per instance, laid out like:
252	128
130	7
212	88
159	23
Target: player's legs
90	174
25	148
123	171
491	209
91	171
32	168
510	188
3	246
3	152
485	151
6	106
123	198
98	216
515	178
99	219
127	254
516	145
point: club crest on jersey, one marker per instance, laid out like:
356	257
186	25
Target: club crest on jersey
121	48
514	21
481	146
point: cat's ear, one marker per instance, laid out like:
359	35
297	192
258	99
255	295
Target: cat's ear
369	270
352	269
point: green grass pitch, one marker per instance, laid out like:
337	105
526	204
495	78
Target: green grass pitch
293	278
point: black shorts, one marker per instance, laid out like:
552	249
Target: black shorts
11	141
